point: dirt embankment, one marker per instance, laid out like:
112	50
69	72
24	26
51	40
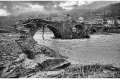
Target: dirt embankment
53	64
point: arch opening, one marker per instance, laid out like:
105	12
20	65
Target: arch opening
50	32
56	33
79	27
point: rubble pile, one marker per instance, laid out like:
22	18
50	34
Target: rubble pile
10	49
45	62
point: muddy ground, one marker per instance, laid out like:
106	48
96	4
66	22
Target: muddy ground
54	64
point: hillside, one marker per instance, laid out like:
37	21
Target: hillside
108	11
98	7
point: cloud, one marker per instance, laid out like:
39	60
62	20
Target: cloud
18	7
27	7
69	5
36	7
3	12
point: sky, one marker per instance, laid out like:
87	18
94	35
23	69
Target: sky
18	7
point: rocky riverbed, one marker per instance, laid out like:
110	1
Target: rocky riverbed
54	64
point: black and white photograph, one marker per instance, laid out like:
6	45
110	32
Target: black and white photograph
59	39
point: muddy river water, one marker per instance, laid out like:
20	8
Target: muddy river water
97	49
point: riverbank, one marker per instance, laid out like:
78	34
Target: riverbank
59	69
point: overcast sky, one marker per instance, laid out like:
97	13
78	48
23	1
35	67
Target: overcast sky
18	7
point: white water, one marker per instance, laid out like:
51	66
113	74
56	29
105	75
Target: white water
97	49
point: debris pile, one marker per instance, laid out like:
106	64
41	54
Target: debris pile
47	58
44	62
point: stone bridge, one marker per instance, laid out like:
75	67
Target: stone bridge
60	29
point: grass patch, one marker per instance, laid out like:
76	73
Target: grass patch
89	71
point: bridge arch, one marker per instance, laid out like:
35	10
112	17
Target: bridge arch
80	27
36	24
56	32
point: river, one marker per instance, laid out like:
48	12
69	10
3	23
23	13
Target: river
100	48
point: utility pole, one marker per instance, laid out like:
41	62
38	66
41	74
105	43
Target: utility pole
114	17
43	28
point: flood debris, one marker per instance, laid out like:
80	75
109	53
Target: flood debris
22	57
44	62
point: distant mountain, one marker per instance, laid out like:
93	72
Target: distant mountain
109	11
113	9
97	4
86	9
